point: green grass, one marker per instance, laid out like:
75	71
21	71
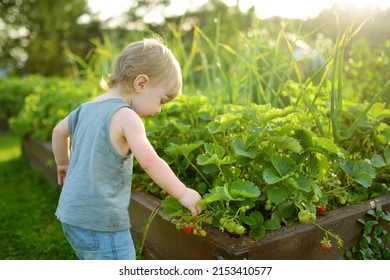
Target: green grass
29	229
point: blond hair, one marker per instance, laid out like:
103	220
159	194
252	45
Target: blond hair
148	57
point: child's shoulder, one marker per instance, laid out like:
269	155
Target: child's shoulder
126	115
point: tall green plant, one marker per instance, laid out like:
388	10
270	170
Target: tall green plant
334	67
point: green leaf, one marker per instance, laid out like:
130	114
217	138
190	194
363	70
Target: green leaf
214	149
304	137
172	208
360	171
327	144
284	165
271	224
303	183
241	149
214	155
255	219
271	176
217	193
377	161
286	209
241	188
184	149
286	143
277	194
223	123
257	233
363	179
208	159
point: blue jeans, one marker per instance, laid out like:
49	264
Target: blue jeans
100	245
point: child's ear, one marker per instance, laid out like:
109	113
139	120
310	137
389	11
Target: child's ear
140	82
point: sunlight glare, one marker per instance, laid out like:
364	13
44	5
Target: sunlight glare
264	9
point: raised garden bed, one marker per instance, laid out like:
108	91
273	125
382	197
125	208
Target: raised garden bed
164	241
297	242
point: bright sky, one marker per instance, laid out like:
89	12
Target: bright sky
264	9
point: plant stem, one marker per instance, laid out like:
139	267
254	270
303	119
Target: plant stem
335	236
148	222
197	170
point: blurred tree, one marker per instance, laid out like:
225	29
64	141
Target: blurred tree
33	34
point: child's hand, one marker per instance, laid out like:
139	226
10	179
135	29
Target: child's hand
190	200
61	174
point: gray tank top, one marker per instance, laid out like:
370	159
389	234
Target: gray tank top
97	188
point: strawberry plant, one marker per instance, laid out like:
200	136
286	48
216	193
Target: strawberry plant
259	167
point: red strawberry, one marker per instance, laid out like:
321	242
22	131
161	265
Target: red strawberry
321	209
188	228
325	244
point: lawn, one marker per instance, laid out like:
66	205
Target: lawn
29	229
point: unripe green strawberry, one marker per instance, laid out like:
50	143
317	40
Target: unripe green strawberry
240	229
305	216
231	227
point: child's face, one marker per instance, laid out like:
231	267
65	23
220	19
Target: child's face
148	102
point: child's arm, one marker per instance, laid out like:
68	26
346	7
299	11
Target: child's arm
155	167
60	144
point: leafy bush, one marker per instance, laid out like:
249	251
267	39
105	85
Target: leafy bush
50	101
13	91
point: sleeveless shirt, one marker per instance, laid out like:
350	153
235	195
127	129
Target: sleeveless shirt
97	188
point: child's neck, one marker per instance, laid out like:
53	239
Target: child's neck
118	93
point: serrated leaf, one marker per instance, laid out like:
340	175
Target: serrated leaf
248	221
171	208
304	137
223	123
258	217
217	193
303	183
286	209
271	176
360	171
241	149
287	128
257	233
214	155
313	168
183	149
286	143
284	165
244	189
327	144
377	161
271	224
207	159
363	178
255	219
214	149
277	194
